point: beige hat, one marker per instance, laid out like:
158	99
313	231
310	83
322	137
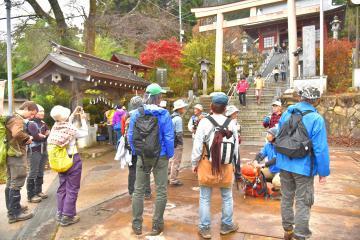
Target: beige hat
60	113
230	110
179	104
199	106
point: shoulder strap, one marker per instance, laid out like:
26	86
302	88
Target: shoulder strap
306	112
212	120
226	123
141	111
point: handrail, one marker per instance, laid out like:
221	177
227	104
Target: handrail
266	62
232	90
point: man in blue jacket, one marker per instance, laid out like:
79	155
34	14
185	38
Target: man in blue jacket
297	182
152	100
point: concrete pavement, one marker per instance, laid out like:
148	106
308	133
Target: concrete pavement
105	207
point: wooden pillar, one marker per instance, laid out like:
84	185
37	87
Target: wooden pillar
261	41
76	94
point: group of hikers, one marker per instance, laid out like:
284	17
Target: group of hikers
153	140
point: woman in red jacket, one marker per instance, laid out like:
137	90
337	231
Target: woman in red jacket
241	89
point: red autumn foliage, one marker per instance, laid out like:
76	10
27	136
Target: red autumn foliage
164	52
338	64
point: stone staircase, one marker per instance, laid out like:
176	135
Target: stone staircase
250	117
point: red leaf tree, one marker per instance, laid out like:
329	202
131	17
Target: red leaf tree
162	53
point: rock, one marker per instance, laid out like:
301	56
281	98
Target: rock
346	101
340	111
357	98
353	122
321	109
328	102
357	107
351	111
355	133
329	117
357	115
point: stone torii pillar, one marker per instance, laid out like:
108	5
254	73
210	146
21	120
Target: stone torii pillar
292	36
219	51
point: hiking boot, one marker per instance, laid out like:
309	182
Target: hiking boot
148	196
205	232
42	195
35	199
157	229
58	217
137	230
288	235
66	220
24	208
21	217
176	183
226	229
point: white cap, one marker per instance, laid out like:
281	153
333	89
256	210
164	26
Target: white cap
40	108
199	106
179	104
163	104
60	113
230	110
277	103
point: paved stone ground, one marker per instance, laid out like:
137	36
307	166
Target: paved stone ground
105	207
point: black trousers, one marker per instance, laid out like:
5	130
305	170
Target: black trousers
242	99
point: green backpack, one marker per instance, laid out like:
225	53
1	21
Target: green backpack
3	140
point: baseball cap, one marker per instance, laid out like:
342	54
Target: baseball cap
154	89
277	103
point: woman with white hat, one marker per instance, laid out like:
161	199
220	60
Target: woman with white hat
195	119
174	163
64	133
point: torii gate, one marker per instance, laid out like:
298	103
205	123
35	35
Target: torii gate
220	24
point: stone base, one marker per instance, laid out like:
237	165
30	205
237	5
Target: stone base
317	81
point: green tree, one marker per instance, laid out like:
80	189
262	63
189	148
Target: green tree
201	46
105	46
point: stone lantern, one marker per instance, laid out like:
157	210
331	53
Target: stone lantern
204	69
245	42
335	27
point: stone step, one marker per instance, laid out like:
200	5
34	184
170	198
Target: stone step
251	139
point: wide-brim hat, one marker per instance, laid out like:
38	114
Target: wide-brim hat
179	104
199	106
40	108
272	131
277	103
60	113
230	110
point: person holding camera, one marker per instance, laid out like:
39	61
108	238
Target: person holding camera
64	134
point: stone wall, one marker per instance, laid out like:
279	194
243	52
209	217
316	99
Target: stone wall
342	116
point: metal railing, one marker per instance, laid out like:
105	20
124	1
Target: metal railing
266	62
231	91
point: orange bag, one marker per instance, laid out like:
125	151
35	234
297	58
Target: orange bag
205	177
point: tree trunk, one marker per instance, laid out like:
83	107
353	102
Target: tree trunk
90	30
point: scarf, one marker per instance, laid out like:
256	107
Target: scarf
61	134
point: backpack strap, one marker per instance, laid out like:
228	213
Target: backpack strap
141	110
212	120
226	123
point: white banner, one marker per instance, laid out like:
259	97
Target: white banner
2	91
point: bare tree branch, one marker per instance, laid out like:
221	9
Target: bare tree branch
39	11
59	16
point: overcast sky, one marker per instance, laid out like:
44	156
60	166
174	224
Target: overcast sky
67	7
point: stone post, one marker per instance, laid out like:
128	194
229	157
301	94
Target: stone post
292	35
219	51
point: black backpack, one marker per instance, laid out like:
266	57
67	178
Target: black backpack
293	139
146	139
